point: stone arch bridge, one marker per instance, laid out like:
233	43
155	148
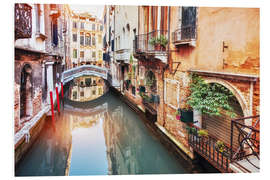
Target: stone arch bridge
70	74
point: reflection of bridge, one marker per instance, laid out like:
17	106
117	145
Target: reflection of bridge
91	70
90	111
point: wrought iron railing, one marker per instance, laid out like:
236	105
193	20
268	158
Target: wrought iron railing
248	138
208	148
184	34
23	21
153	42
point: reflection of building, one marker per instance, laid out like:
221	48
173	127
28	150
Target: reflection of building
87	88
124	144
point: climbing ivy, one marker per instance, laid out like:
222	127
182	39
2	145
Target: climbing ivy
209	98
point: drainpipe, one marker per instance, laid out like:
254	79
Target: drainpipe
164	118
169	35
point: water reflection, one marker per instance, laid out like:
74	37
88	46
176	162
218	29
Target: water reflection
87	88
48	155
99	137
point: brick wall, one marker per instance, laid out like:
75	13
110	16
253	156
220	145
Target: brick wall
16	107
37	100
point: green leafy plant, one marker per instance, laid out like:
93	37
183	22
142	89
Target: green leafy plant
131	59
191	130
203	133
209	98
163	41
153	41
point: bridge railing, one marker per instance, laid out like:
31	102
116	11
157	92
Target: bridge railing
99	71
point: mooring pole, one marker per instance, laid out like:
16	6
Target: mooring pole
57	96
52	111
62	90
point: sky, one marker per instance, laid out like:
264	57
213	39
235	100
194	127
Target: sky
96	10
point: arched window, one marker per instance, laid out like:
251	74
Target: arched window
26	91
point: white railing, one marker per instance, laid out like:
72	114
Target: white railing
70	74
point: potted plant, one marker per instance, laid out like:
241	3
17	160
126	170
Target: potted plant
220	146
163	42
146	98
186	115
178	114
203	134
155	98
191	130
154	41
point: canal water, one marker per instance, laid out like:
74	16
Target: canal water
99	137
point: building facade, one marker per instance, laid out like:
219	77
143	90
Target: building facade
85	39
39	61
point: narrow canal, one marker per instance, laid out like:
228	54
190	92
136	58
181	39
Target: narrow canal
98	137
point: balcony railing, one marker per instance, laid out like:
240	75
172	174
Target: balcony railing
248	140
123	55
23	21
184	35
152	42
207	148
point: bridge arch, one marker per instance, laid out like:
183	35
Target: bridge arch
83	70
237	93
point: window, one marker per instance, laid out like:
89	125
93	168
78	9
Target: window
101	28
81	39
93	40
93	27
54	32
99	91
171	93
99	54
82	25
82	54
74	53
38	14
94	54
74	37
99	39
74	94
94	92
88	40
187	22
74	24
82	93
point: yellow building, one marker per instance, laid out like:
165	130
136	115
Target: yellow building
85	39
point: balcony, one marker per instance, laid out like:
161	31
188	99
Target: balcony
207	148
185	35
226	158
55	12
123	55
152	45
23	21
247	157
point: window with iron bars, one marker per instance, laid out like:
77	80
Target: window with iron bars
74	37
